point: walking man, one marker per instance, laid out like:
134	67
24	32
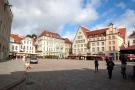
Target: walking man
123	66
96	65
110	66
123	71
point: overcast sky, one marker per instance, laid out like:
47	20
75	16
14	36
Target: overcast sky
65	16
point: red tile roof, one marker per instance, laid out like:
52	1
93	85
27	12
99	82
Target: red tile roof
50	34
17	38
85	31
122	32
98	32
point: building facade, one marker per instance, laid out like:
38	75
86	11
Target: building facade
27	45
20	46
5	28
52	44
131	39
67	47
80	42
15	43
101	41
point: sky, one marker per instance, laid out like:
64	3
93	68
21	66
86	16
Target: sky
65	16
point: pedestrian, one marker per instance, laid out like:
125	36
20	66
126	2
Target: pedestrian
123	66
96	64
28	66
110	66
123	71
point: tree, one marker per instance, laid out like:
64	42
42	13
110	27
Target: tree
34	36
28	36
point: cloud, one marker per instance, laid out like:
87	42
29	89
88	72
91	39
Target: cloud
69	35
121	5
127	19
34	16
124	20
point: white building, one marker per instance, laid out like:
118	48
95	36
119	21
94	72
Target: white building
51	44
27	45
20	46
80	42
131	39
15	43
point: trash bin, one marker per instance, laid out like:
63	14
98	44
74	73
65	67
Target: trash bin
134	71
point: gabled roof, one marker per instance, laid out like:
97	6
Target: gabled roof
85	31
67	41
17	38
132	35
50	34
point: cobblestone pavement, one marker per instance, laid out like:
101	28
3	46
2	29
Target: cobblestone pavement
75	75
11	72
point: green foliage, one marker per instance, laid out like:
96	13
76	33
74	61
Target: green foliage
51	56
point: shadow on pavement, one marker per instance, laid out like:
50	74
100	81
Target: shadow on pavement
79	79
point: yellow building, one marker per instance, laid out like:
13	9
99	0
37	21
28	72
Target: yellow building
100	41
5	28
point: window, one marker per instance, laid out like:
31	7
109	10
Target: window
79	37
113	47
74	45
93	49
109	48
16	48
102	43
133	41
109	37
81	45
93	44
113	37
74	50
97	48
109	42
98	43
113	42
111	32
82	49
12	47
103	48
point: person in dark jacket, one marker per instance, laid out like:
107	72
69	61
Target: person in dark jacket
110	66
123	71
96	65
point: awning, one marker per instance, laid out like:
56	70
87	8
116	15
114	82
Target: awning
128	50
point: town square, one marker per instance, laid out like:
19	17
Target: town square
67	45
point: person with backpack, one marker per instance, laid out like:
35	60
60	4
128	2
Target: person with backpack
110	66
